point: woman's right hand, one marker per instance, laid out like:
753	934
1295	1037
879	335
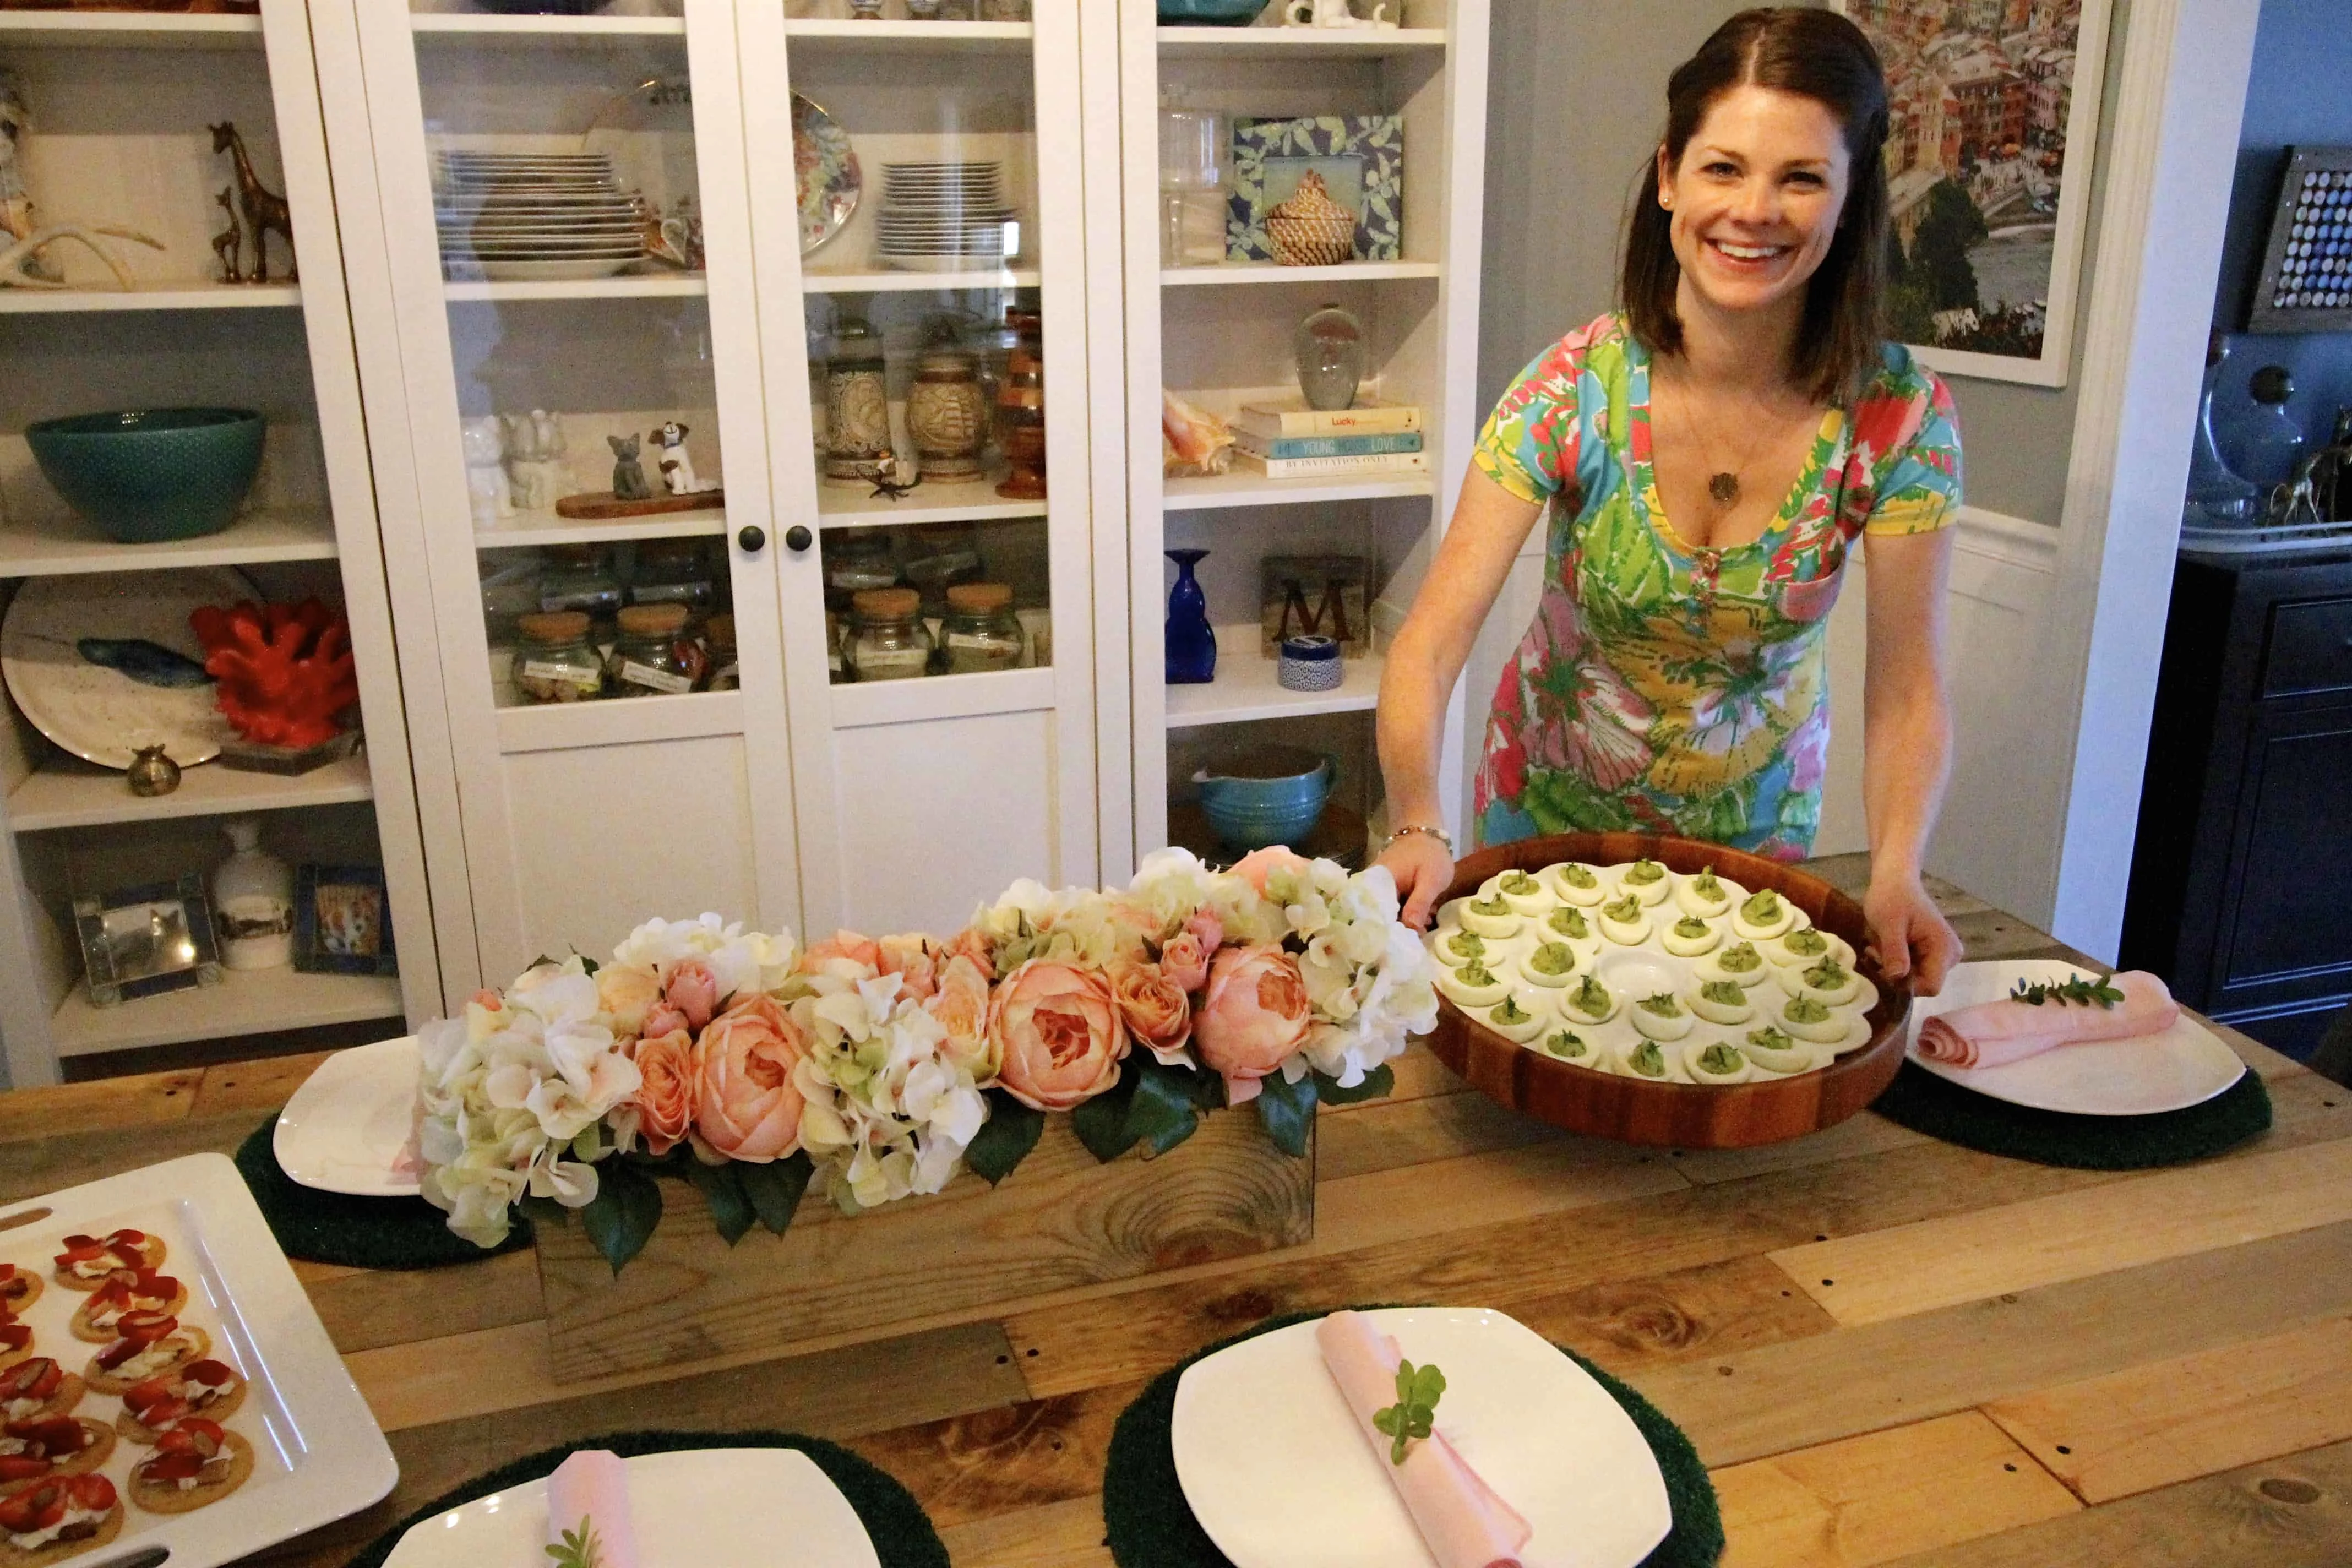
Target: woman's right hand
1423	869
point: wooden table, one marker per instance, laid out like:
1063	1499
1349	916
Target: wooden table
1886	1347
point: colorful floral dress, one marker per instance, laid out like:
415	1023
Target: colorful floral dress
1666	688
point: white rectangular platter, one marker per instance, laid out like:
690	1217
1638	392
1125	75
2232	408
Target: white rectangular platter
319	1455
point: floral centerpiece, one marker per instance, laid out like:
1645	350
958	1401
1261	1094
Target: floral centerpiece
881	1068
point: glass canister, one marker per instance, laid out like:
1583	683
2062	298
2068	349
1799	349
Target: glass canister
674	571
558	663
510	591
939	556
947	413
855	562
726	664
654	655
1195	146
857	405
981	633
1331	349
886	642
580	577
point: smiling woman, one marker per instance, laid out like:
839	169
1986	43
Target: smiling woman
1708	456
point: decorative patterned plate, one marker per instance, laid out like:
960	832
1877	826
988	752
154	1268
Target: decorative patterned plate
824	169
104	665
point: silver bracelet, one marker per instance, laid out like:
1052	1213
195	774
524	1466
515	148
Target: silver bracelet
1437	833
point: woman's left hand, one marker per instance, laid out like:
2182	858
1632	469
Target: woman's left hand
1908	934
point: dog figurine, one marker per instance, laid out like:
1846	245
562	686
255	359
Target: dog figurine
628	473
677	468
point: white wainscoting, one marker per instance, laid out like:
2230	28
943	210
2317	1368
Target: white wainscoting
2004	796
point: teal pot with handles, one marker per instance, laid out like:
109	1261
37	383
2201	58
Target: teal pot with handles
1267	794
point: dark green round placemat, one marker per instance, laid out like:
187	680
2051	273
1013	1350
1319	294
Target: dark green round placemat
358	1233
901	1531
1150	1525
1923	1102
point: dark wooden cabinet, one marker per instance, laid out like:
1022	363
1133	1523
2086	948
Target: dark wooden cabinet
2241	872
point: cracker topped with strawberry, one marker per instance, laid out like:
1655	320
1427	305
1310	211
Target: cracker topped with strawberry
18	1288
39	1386
42	1447
212	1389
16	1339
196	1463
88	1260
147	1345
54	1519
126	1290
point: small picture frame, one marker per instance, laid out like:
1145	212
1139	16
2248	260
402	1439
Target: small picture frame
1361	158
2306	285
147	940
342	921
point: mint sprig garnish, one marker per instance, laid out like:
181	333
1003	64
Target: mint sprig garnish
1408	1420
2074	990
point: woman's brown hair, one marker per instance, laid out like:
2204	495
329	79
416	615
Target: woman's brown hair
1818	54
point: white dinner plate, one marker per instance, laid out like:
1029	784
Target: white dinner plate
346	1128
1279	1475
2185	1065
695	1508
548	271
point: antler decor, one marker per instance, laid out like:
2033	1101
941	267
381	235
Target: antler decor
284	670
16	261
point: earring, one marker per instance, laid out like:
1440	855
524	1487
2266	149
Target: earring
1666	202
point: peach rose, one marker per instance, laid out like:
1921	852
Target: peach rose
847	944
1255	1015
487	1000
969	943
745	1106
910	958
664	1019
692	989
665	1100
628	992
1184	960
1256	865
1157	1013
960	1008
1057	1031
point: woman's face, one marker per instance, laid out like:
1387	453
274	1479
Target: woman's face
1756	198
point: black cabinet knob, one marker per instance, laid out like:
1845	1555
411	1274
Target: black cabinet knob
752	538
798	537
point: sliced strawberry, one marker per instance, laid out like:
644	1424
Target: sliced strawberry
15	1467
36	1379
126	1237
15	1336
146	1327
53	1435
37	1508
163	1412
211	1373
154	1391
93	1492
172	1466
195	1435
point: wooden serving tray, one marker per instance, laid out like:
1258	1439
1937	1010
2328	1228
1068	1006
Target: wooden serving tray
600	506
1679	1115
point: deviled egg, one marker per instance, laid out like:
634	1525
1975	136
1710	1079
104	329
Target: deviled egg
1807	1019
1803	945
1624	922
1758	916
1646	880
1571	1046
1522	891
1704	894
1774	1055
1510	1019
1662	1017
1721	1062
1551	965
1587	1001
1455	947
1857	1032
1739	963
1722	1001
1473	985
1576	883
1691	937
1491	917
1826	981
1644	1058
1569	924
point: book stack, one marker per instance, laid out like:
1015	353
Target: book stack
1291	441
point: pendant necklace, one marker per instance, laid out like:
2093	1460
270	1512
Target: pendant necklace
1722	484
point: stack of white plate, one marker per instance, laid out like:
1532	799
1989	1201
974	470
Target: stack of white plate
945	217
534	217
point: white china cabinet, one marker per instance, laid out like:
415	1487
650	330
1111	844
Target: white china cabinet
797	800
116	133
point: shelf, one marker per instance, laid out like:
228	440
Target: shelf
1238	489
931	697
182	296
67	794
245	1002
830	33
1245	689
916	282
469	27
619	721
1273	272
531	528
72	545
1295	43
677	286
127	29
860	508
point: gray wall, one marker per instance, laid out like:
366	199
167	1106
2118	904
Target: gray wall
1576	99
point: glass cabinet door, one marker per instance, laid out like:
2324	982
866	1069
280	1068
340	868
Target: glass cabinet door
564	202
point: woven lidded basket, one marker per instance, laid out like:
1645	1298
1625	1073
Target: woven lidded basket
1310	229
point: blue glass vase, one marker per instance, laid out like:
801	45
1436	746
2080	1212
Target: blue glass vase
1192	643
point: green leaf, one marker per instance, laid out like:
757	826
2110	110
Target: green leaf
1377	1084
1005	1138
1165	1108
1288	1110
1385	1420
1428	1386
722	1187
543	1211
621	1219
775	1188
1101	1122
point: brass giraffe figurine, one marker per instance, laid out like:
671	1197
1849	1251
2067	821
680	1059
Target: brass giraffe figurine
229	243
263	211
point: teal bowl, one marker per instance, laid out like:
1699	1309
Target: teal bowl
1210	13
147	474
1272	795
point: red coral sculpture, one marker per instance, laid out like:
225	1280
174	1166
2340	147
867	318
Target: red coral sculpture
284	671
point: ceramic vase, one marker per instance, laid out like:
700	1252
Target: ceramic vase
253	902
1331	349
1192	641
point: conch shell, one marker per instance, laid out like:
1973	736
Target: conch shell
1192	440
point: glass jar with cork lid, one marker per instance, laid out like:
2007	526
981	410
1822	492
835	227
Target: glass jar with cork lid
719	641
654	655
886	642
981	633
557	663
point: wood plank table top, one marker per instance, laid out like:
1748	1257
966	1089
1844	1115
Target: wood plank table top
2015	1365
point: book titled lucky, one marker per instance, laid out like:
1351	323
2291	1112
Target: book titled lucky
1327	445
1292	417
1367	465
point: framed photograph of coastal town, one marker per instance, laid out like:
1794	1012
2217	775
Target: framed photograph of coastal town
1993	117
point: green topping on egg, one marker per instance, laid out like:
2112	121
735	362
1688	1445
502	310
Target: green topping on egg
1690	926
1721	1060
1474	973
1642	873
1520	882
1806	943
1828	975
1648	1060
1467	944
1578	877
1494	906
1508	1011
1741	958
1806	1010
1552	958
1624	911
1662	1004
1768	1039
1762	908
1590	997
1707	887
1569	921
1566	1043
1725	993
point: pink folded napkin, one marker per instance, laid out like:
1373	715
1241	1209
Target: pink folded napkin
590	1491
1465	1522
1992	1033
